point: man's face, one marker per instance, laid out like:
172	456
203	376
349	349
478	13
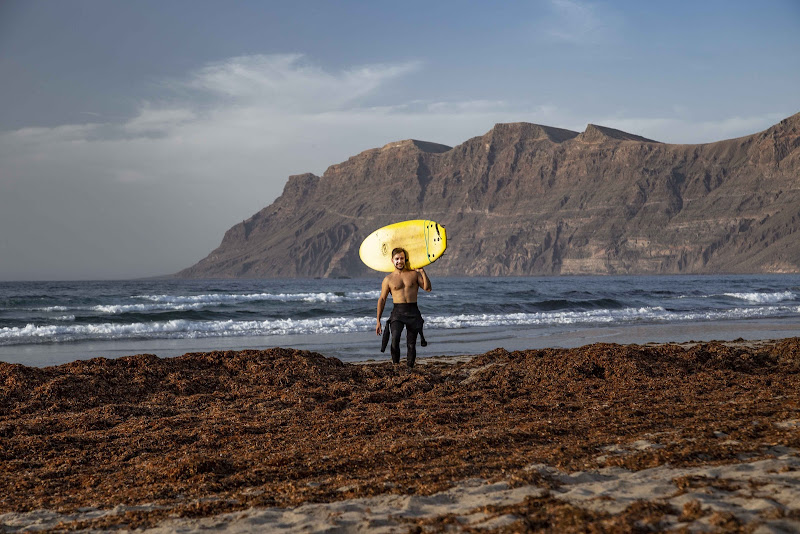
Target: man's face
399	261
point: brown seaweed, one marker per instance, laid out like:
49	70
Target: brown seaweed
206	433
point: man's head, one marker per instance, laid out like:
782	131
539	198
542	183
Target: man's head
399	258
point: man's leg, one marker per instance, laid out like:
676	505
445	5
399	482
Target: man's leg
411	345
397	329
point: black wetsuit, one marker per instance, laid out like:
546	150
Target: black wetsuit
404	315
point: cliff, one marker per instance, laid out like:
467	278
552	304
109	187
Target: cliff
525	199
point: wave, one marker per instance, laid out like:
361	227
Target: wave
625	316
198	302
113	309
147	303
182	329
562	304
188	329
547	318
143	308
217	298
763	298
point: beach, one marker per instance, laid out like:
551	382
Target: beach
604	437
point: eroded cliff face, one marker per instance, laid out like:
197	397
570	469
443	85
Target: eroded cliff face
525	199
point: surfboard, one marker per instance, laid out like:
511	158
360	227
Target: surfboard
425	241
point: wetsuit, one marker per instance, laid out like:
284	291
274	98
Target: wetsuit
404	315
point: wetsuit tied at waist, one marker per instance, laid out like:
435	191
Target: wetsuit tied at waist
404	315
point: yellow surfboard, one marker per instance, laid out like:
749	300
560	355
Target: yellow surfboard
425	241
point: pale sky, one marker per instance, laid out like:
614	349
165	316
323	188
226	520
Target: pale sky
133	134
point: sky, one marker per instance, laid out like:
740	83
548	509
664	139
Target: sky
134	134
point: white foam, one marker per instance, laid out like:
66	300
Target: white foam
127	308
183	328
624	316
547	318
198	302
216	298
122	308
764	298
52	309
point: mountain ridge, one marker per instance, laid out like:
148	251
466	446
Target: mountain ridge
527	199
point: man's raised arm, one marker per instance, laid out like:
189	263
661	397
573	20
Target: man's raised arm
423	280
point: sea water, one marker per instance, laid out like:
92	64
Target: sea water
48	323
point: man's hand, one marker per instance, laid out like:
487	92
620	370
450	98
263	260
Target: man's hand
378	328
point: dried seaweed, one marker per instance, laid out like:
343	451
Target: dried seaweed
211	432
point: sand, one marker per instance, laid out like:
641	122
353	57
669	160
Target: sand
604	438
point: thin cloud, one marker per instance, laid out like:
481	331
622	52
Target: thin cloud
469	106
579	23
151	120
684	131
287	82
43	135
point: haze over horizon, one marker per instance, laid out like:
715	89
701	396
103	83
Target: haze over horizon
133	135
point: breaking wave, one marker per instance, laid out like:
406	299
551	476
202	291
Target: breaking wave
217	298
188	329
764	298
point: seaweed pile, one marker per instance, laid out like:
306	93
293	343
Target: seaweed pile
206	433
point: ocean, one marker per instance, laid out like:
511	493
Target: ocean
50	323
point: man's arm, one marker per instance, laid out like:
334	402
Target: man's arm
423	280
382	303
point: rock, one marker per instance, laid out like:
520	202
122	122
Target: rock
526	199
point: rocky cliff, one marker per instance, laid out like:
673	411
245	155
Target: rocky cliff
525	199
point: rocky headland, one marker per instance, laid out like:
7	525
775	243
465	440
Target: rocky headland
526	199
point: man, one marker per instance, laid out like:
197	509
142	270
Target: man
404	285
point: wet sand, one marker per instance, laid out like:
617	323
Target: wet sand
606	438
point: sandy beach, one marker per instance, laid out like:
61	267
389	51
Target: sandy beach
601	438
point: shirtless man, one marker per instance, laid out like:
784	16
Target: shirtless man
404	285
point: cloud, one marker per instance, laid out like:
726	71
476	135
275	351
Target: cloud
287	82
687	131
252	116
469	106
155	193
43	136
579	23
151	120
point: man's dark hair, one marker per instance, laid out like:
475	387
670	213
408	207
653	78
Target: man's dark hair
398	250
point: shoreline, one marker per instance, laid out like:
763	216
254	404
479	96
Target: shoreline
359	347
173	443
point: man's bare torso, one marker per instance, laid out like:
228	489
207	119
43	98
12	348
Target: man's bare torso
404	286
